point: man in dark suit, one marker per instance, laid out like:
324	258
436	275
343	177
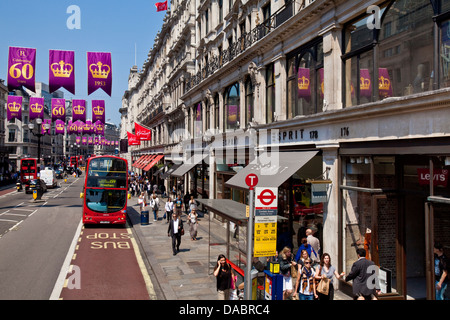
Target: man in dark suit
175	231
365	280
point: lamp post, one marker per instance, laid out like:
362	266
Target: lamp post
39	135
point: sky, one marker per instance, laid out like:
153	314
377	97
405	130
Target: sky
106	26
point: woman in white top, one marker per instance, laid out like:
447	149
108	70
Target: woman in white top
154	204
169	209
193	224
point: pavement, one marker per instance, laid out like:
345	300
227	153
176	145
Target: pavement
187	275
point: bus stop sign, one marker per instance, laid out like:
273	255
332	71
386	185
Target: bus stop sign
251	180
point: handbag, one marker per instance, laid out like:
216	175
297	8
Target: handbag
294	271
324	286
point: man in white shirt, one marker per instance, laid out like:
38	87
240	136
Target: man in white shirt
169	209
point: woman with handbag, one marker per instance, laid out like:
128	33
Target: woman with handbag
325	273
287	264
225	276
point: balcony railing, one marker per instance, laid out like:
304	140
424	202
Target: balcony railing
244	42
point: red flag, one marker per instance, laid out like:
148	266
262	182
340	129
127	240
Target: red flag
161	6
142	133
133	140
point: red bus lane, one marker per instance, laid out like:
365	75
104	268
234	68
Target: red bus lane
105	267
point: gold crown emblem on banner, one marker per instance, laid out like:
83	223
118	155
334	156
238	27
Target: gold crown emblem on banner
365	83
60	127
303	83
98	111
14	107
79	109
62	69
384	83
99	70
36	108
99	127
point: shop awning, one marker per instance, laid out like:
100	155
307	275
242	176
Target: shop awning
170	171
160	170
188	165
145	161
280	167
229	209
138	161
154	161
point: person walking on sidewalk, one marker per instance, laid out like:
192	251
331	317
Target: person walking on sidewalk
193	224
178	206
169	209
175	231
154	205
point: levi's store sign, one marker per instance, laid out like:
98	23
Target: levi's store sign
440	176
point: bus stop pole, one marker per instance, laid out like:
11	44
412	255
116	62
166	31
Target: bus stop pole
248	268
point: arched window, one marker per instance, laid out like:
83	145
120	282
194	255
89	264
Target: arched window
249	101
232	107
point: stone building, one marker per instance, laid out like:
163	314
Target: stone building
352	95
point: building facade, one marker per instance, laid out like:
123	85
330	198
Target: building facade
352	95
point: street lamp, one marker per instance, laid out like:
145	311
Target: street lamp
39	135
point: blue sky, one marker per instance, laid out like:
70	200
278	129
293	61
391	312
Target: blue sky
106	26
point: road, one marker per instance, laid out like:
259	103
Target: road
40	240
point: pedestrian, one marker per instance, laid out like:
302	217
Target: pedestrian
193	224
224	275
365	284
169	209
192	204
305	246
175	231
440	271
303	256
286	265
327	271
305	285
142	201
315	244
178	205
186	201
154	205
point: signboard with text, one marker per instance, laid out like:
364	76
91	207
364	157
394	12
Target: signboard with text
266	209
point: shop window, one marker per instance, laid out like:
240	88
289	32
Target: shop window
305	81
232	107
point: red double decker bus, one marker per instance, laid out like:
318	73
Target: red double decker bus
105	191
28	169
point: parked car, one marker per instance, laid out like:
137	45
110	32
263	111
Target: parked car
35	184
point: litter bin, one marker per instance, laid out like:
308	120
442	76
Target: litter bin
145	218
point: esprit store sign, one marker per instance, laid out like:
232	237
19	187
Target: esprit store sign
440	176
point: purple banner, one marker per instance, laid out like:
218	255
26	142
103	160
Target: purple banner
87	127
304	88
59	127
14	108
99	128
365	89
46	131
80	127
384	82
98	111
95	141
77	140
84	141
58	109
36	108
90	141
79	110
21	68
99	72
62	70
